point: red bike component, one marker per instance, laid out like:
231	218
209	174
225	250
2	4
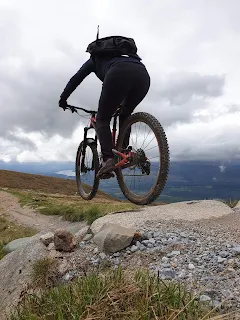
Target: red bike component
125	157
92	119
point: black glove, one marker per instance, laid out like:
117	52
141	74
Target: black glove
63	104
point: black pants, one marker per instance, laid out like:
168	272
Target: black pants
126	83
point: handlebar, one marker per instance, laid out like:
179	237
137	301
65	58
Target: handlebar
74	109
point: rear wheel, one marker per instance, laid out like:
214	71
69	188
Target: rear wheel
87	166
144	177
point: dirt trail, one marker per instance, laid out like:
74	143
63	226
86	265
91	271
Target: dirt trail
10	206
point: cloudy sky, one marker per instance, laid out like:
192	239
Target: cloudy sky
191	50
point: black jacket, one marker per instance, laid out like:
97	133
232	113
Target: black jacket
99	67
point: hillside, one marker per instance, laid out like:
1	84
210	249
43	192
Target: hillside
40	183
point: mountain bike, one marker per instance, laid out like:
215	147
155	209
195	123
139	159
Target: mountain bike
141	157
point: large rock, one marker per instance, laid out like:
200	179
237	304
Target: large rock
17	243
15	271
113	237
186	210
63	240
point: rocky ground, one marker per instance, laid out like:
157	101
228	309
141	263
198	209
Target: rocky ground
205	255
199	247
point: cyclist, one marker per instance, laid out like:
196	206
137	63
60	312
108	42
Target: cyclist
125	82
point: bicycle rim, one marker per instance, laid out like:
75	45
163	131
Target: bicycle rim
87	182
143	181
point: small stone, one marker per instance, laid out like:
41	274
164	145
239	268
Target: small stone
102	255
216	304
166	265
230	261
174	265
193	238
165	259
145	242
134	248
47	238
116	254
173	253
230	269
54	254
138	244
204	298
87	237
236	249
224	254
191	266
82	244
69	276
142	248
220	259
168	274
183	234
152	241
51	246
96	262
95	251
157	234
150	245
79	235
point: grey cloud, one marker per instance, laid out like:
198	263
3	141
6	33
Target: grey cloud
179	88
23	142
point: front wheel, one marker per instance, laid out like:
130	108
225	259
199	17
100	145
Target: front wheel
87	166
144	177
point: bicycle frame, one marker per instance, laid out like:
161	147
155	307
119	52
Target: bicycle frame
92	125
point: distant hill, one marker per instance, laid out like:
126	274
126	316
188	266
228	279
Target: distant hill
187	180
46	184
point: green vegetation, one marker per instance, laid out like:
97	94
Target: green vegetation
115	295
10	231
230	202
72	208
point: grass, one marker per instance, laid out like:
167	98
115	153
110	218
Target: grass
231	202
72	208
10	231
113	296
43	272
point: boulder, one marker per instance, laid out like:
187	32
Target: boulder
17	243
63	240
15	272
113	237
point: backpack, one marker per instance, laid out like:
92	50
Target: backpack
113	45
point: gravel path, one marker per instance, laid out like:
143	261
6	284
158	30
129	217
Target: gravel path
10	206
204	254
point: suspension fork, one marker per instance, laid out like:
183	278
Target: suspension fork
84	148
114	130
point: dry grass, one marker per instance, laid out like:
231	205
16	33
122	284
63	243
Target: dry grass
39	183
43	273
